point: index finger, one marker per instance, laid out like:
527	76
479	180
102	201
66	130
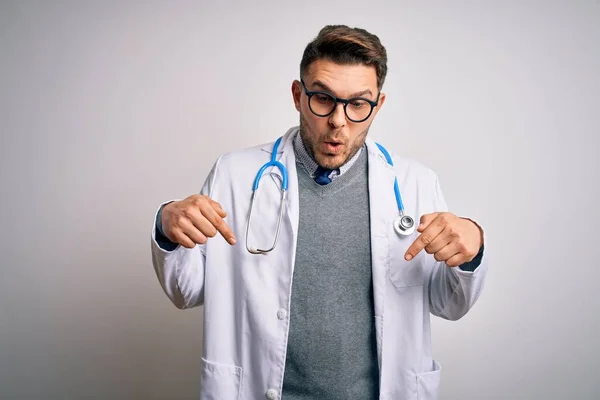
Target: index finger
212	215
426	237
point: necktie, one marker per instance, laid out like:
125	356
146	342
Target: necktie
322	176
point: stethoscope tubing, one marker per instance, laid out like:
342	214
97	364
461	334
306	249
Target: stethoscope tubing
403	224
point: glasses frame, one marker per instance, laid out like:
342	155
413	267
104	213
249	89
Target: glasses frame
337	100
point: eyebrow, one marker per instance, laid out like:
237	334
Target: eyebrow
328	89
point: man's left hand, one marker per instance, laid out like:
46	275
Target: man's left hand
449	238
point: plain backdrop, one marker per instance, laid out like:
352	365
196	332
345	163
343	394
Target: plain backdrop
109	108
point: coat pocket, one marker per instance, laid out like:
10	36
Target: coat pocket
220	381
428	383
402	273
406	275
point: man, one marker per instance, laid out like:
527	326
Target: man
339	309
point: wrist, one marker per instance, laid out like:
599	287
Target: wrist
479	230
159	219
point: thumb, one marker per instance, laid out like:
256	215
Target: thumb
426	219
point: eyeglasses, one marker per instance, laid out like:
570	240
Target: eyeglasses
322	104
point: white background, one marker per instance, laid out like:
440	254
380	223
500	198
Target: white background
109	108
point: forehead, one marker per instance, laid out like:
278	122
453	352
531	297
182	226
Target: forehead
342	78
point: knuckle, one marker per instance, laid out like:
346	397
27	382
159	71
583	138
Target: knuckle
180	220
443	218
426	239
197	200
186	212
218	222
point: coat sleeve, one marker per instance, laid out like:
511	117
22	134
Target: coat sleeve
452	291
180	271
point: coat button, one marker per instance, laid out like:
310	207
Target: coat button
281	314
271	394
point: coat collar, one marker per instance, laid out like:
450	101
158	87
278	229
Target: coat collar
286	155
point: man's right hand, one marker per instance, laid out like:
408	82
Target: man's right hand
193	220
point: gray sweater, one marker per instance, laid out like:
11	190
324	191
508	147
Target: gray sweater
331	352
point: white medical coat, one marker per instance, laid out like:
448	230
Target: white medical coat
246	297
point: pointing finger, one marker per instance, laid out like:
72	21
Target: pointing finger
212	215
426	219
433	229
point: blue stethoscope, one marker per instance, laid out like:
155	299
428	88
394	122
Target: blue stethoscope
404	225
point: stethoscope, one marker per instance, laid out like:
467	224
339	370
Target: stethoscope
404	225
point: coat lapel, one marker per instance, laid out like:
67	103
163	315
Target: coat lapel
287	157
383	210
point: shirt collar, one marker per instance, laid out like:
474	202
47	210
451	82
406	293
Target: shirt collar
310	165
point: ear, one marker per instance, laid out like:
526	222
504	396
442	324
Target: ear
296	93
379	104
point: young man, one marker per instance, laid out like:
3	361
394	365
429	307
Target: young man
340	307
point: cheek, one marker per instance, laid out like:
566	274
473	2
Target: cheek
315	124
356	136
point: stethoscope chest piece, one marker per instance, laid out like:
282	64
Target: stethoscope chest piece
404	225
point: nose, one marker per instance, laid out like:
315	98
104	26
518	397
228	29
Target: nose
337	118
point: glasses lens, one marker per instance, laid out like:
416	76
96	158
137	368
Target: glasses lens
321	104
358	110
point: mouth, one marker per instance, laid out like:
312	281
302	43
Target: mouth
333	146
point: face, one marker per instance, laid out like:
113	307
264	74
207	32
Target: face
334	139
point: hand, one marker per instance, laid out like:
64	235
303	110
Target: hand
193	220
449	238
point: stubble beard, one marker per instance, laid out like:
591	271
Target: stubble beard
309	140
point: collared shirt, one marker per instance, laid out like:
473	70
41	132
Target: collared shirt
310	165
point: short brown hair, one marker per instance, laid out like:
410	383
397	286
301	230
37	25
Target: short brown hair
347	46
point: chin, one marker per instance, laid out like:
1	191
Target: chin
331	162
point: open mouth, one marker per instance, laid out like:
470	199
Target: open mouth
333	147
